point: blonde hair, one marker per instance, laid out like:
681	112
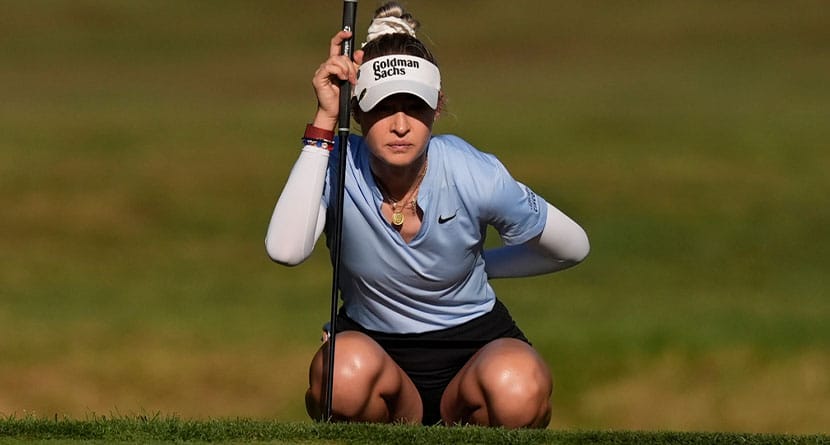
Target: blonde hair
396	39
395	9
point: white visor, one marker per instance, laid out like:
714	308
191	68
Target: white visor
384	76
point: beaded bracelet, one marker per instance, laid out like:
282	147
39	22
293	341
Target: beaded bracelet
322	143
317	137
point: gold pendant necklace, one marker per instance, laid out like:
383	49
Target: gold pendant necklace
397	213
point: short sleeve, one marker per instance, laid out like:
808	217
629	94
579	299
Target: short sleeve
516	211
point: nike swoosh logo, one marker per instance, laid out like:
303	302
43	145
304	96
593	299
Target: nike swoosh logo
442	219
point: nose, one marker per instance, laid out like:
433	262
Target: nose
400	123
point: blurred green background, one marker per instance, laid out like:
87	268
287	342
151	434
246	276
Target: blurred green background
143	145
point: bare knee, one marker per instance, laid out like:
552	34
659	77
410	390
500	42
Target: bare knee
513	383
357	367
365	381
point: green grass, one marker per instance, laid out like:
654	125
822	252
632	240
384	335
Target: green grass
167	430
143	144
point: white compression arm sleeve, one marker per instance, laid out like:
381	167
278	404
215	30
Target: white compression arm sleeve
299	216
562	244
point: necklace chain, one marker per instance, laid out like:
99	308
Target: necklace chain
408	199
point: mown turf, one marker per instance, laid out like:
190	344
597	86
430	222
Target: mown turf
143	144
165	430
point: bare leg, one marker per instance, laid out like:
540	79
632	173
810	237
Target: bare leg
506	383
368	385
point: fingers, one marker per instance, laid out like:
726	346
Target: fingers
336	47
340	65
336	67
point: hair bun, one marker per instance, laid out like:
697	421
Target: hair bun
391	18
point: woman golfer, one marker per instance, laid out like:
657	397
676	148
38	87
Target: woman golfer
421	336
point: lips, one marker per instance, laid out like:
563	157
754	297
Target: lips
399	145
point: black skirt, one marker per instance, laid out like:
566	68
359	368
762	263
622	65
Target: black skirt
432	359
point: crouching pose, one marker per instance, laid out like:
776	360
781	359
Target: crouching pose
421	336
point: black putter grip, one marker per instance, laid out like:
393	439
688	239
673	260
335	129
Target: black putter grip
349	19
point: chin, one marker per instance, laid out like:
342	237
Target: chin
398	158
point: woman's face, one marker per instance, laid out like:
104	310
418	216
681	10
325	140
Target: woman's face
397	130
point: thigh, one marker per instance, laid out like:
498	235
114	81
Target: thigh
368	384
504	372
433	359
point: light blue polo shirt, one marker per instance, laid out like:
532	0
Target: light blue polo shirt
438	280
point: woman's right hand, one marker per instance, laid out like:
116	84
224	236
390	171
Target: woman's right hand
328	77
